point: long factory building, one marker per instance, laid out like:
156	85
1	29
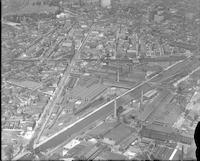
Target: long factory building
108	108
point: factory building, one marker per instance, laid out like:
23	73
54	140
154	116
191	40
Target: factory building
159	132
102	3
80	3
124	2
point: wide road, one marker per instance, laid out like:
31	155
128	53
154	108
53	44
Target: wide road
107	108
61	86
77	127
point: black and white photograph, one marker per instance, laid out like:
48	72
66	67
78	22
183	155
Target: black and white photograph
100	80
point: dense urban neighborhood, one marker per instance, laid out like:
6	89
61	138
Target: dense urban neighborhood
100	79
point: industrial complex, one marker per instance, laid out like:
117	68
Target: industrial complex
100	79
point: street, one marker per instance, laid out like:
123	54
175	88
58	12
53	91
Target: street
105	109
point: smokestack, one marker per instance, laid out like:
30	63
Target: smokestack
182	153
